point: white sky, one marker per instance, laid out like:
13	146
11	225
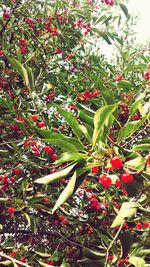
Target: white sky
142	28
142	8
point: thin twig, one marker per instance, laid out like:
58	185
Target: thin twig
14	260
111	244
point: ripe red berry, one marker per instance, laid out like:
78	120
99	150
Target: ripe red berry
138	226
54	156
127	177
116	162
41	124
13	253
56	222
48	149
118	183
23	259
33	117
11	210
148	161
94	169
117	206
46	200
146	224
17	171
105	181
64	222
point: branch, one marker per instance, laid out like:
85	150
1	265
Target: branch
5	25
14	260
111	244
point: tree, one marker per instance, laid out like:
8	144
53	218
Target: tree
74	148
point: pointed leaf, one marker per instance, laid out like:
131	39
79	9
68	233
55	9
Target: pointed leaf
54	177
124	9
20	69
67	192
137	262
44	264
63	145
72	121
30	78
127	211
100	118
69	156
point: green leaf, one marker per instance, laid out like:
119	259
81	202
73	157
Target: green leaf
127	211
28	218
71	120
43	255
100	118
105	92
69	156
67	192
130	128
135	105
105	37
65	264
91	263
124	9
137	163
92	254
44	264
125	84
6	263
85	118
141	147
137	262
56	176
85	132
20	69
30	78
65	145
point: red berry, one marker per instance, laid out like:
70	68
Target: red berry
48	149
118	183
138	226
146	224
119	77
54	156
116	162
33	117
64	222
127	177
11	210
105	181
13	253
148	161
46	200
117	206
41	124
13	179
23	259
56	222
94	169
17	171
110	257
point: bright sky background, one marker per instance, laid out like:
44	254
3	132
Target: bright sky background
142	28
142	8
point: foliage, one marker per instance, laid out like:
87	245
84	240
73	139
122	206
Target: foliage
74	147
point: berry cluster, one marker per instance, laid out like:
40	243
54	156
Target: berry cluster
87	94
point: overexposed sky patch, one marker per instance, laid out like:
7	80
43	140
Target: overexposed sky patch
142	8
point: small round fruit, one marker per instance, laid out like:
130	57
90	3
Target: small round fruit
105	181
127	177
54	156
94	169
11	210
116	162
118	183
